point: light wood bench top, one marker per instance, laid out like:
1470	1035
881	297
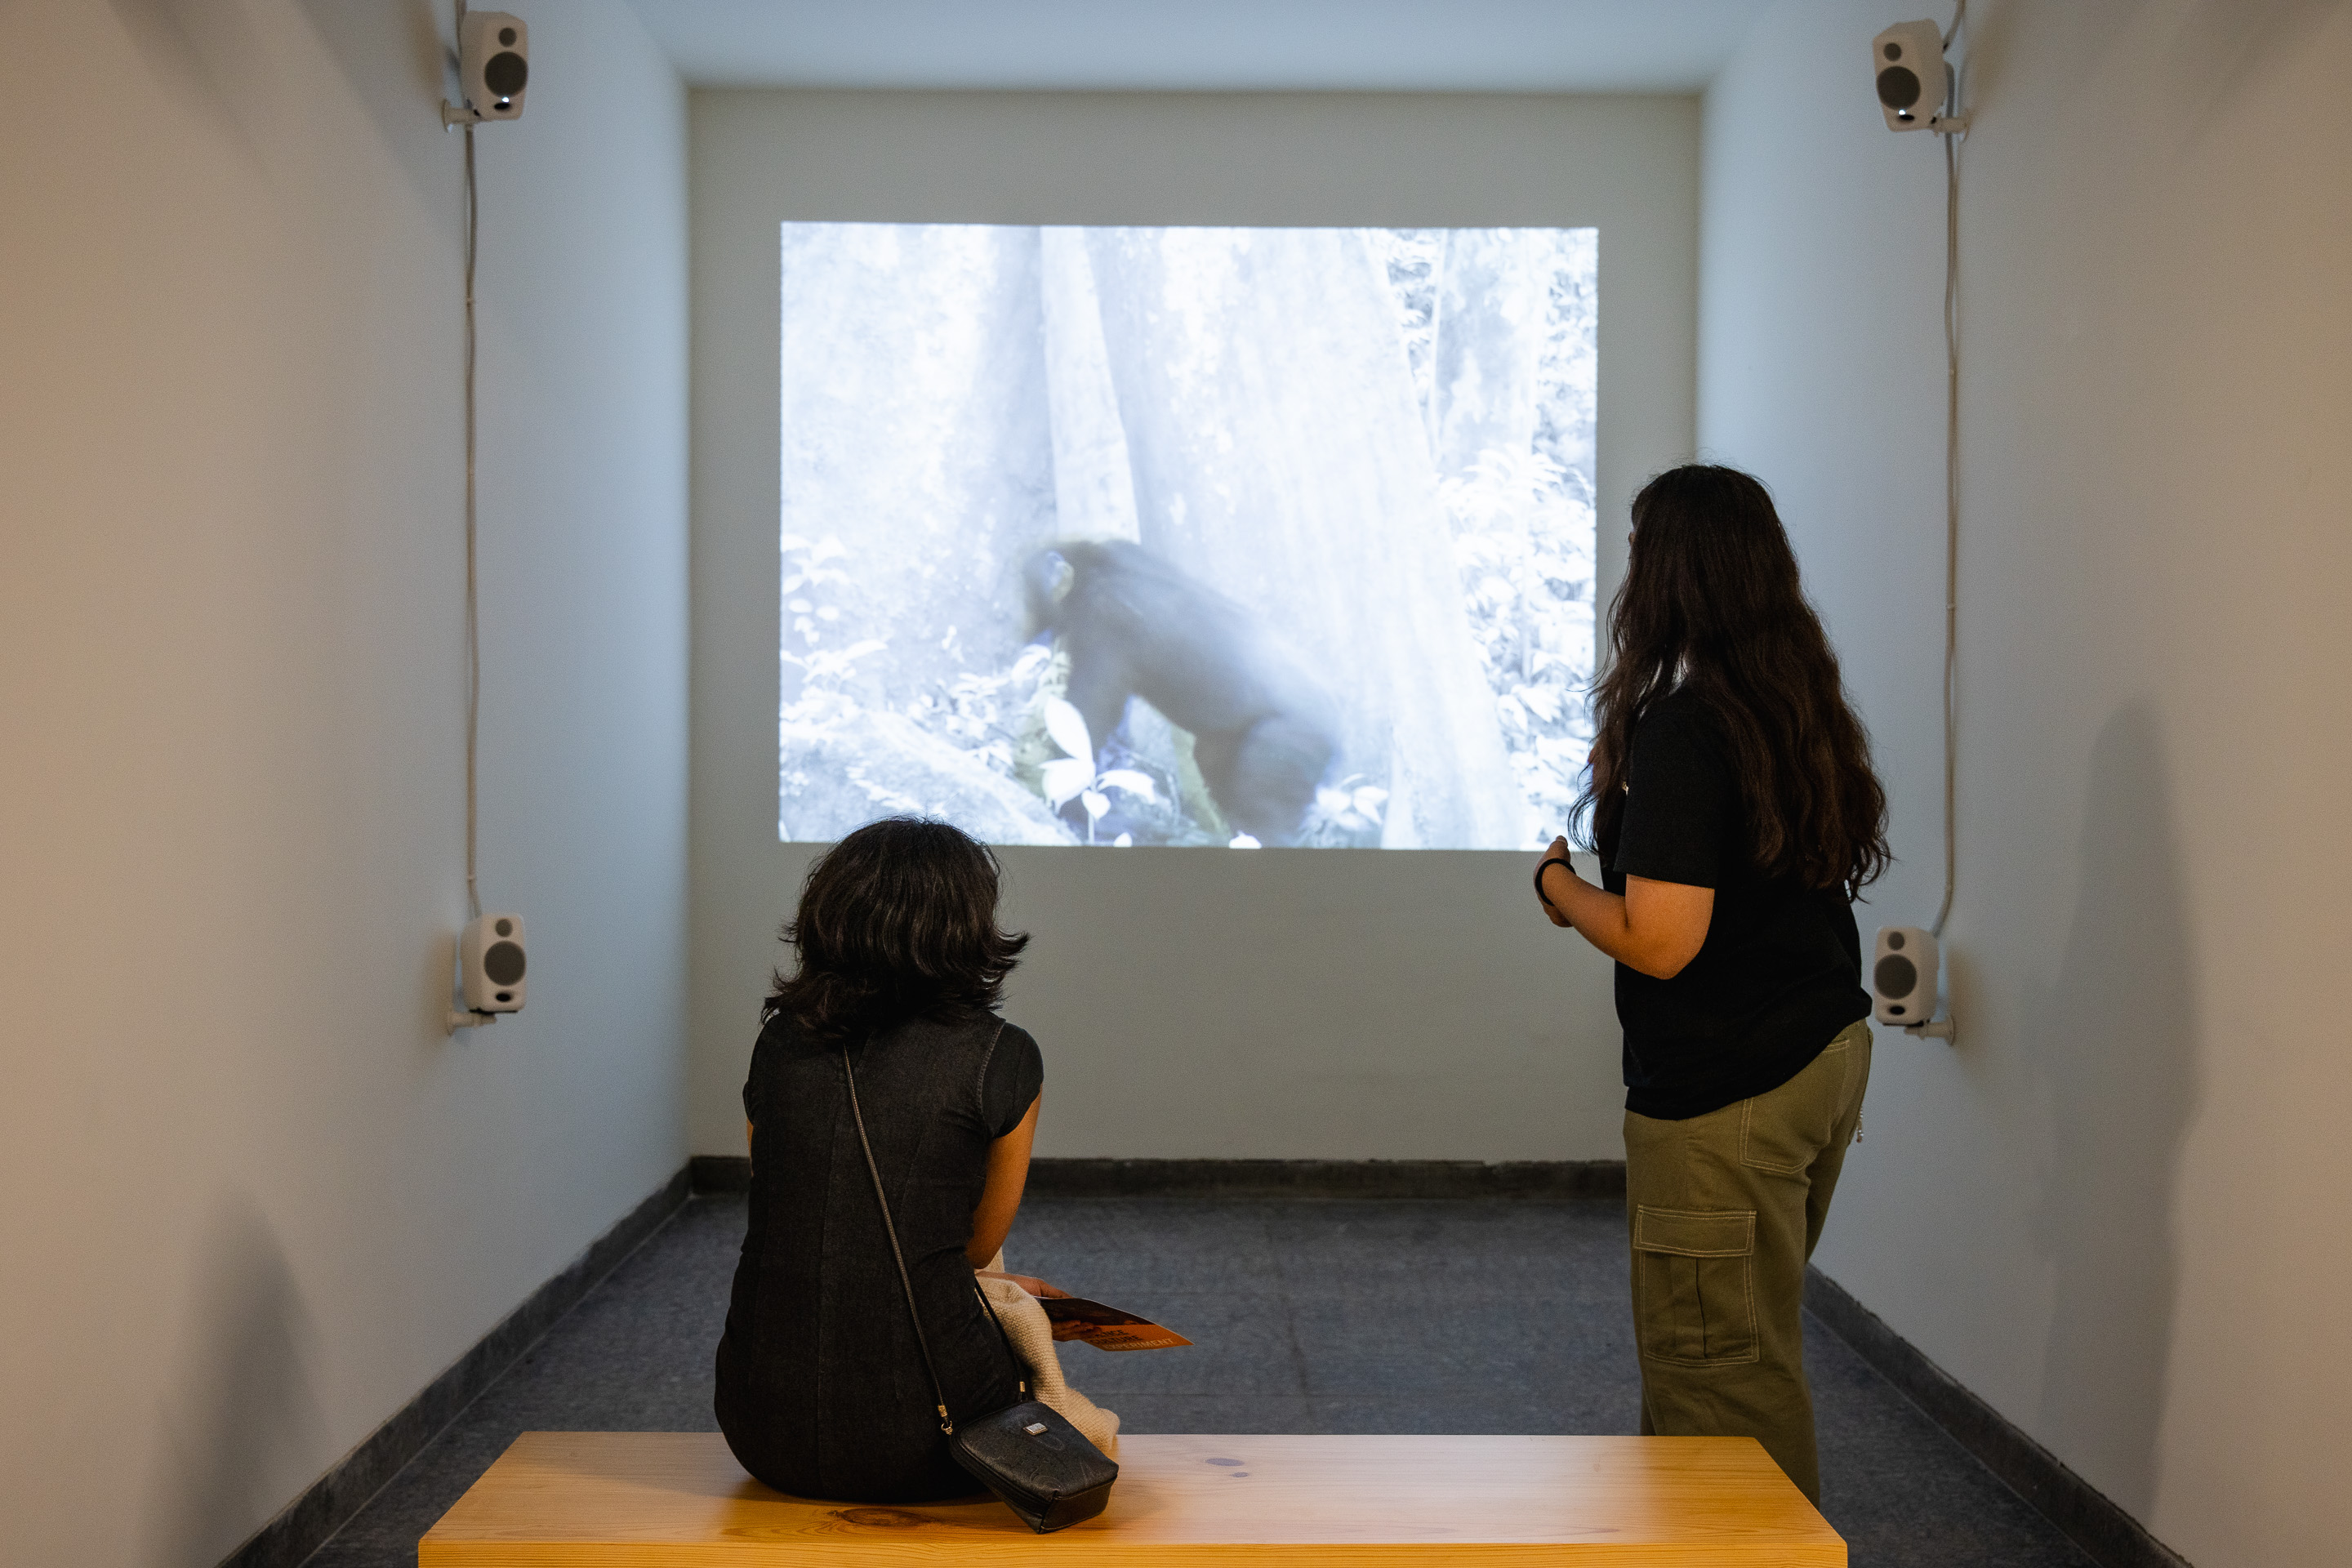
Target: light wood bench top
678	1500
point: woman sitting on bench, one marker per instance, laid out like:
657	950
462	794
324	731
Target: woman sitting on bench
822	1390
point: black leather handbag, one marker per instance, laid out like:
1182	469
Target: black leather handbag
1036	1462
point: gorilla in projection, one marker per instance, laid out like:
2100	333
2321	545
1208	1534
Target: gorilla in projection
1264	730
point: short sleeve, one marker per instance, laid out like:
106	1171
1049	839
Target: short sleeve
752	1081
757	1082
1010	1082
1681	804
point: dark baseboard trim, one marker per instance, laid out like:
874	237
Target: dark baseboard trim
1327	1178
304	1525
2112	1538
1052	1178
721	1172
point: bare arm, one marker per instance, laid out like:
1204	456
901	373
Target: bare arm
1000	1200
1000	1197
1654	927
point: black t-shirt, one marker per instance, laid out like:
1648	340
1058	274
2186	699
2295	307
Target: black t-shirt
1781	971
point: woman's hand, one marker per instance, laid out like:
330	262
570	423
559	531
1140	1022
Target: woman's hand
1554	877
1654	927
1039	1289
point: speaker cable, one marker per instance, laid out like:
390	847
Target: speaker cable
1953	125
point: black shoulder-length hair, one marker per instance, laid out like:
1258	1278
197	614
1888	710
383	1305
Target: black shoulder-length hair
896	922
1711	606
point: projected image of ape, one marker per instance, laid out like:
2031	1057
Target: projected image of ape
1264	729
1187	536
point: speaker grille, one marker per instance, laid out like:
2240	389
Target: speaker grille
1897	87
504	74
1894	977
502	961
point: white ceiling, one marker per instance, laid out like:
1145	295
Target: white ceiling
1426	46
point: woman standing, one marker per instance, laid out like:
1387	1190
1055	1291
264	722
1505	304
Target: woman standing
1737	817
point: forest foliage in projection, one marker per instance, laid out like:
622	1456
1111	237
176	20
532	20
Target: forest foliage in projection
1187	536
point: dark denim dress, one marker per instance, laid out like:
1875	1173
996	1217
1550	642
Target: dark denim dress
822	1391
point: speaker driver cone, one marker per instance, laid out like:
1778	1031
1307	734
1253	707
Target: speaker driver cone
1895	977
504	74
503	963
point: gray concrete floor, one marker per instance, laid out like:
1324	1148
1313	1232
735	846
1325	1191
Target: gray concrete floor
1446	1316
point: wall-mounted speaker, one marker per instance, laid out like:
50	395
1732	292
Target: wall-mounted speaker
490	963
1903	974
1908	60
493	64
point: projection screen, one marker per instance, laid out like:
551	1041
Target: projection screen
1180	536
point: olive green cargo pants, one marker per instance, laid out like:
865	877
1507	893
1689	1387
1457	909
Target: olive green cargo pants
1725	1209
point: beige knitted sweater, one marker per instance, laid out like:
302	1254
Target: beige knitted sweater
1032	1333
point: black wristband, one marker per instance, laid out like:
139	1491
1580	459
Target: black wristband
1548	862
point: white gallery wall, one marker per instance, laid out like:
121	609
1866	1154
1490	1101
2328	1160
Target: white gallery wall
252	1197
2117	1209
1287	1003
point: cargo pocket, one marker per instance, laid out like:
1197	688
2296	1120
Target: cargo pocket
1694	1285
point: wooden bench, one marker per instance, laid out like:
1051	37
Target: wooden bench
676	1499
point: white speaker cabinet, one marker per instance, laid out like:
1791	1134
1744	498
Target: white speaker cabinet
490	963
1908	61
1903	973
493	64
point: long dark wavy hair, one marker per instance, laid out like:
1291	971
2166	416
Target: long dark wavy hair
896	922
1711	606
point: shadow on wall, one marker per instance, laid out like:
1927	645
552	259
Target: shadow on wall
244	1421
2116	1035
208	56
2222	48
392	54
2208	52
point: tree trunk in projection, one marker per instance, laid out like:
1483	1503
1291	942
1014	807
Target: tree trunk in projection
1486	393
915	429
1279	455
1094	483
1488	334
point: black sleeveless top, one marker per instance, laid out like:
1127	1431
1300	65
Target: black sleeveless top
822	1391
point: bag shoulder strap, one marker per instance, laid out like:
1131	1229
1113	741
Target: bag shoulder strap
906	1282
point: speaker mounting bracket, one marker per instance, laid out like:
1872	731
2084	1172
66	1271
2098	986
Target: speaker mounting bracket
457	1020
1941	1029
